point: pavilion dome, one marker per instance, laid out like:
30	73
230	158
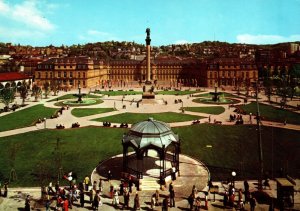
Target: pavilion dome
150	132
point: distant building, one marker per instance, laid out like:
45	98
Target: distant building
13	79
70	72
231	72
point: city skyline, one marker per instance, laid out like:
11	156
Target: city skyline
57	22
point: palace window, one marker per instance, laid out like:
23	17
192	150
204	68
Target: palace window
38	75
83	74
46	75
65	74
71	74
50	74
78	74
59	74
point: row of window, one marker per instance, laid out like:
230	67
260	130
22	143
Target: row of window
229	74
46	66
211	67
61	74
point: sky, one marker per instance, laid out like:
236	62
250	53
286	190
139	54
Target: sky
68	22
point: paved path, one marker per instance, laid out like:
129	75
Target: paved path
67	119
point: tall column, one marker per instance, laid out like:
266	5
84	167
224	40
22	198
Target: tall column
148	41
148	63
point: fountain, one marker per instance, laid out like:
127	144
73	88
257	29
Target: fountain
215	94
217	98
79	100
79	95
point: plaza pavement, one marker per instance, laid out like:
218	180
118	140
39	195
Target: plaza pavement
17	195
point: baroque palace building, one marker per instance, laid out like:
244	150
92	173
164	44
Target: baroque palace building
72	71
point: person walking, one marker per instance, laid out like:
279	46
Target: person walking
165	204
191	201
172	198
115	200
5	189
252	203
126	196
86	182
136	202
27	203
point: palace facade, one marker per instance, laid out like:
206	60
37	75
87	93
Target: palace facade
72	71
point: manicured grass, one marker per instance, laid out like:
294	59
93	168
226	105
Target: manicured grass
80	112
70	96
233	148
61	103
134	117
26	117
81	151
208	110
171	92
119	92
273	114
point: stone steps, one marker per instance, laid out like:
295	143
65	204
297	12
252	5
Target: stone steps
149	183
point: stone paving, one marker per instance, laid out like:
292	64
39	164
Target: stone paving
15	201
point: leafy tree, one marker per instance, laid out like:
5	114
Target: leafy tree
268	84
36	92
23	90
275	71
46	87
7	96
54	87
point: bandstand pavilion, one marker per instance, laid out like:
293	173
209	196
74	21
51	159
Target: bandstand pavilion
151	135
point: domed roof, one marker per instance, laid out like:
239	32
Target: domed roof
150	132
150	126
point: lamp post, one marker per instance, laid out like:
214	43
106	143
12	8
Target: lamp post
233	174
45	122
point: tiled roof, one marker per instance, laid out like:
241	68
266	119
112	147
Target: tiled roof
12	76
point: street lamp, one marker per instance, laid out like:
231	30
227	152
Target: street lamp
45	122
233	174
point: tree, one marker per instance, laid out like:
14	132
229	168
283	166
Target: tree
54	87
7	96
23	90
268	83
47	90
36	92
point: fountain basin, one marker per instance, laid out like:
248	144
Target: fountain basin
220	101
81	103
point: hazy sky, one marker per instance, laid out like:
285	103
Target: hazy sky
57	22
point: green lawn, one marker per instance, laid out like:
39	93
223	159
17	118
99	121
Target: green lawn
119	92
81	151
207	110
80	112
26	117
70	96
172	92
134	117
273	114
233	148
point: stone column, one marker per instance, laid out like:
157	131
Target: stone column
148	41
148	63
